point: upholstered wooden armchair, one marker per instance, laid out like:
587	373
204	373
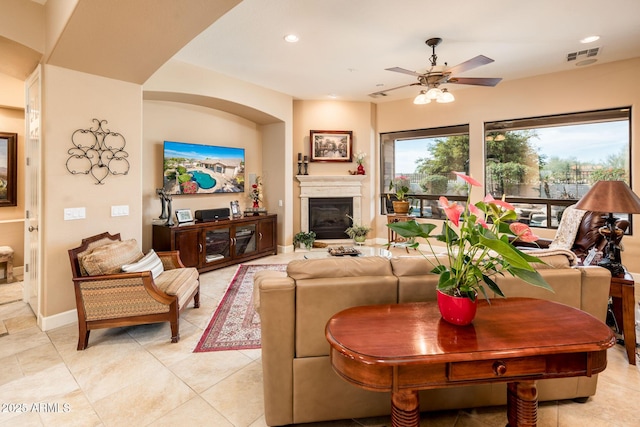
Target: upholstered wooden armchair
578	232
116	285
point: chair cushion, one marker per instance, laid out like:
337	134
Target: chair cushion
180	282
150	262
109	259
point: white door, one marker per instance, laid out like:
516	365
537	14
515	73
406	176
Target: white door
32	279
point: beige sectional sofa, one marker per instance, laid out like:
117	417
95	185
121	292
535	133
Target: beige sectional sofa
294	307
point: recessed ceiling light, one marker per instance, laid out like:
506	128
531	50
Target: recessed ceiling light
590	39
291	38
332	96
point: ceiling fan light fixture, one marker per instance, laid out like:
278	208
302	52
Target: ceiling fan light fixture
434	93
421	98
445	97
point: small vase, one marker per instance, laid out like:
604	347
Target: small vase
360	170
256	204
359	240
457	310
400	208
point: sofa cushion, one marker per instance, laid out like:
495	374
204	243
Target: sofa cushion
337	267
327	286
150	262
109	259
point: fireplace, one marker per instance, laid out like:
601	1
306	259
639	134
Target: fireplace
328	216
325	188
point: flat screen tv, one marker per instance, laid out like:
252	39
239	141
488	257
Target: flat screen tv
202	169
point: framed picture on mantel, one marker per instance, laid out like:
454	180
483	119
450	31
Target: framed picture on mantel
331	145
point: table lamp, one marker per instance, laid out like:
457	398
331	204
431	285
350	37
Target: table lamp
610	196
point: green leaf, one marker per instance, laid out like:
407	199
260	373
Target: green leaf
508	252
532	277
492	285
410	229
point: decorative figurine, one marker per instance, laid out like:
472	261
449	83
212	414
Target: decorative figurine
160	192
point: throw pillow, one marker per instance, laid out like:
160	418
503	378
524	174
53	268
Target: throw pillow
108	259
149	262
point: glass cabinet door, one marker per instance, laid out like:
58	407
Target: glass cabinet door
245	239
217	244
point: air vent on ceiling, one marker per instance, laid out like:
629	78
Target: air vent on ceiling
587	53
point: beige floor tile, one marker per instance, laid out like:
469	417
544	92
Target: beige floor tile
10	292
239	397
194	413
172	353
38	359
203	370
108	345
9	369
26	419
144	400
45	386
72	409
20	323
22	340
108	376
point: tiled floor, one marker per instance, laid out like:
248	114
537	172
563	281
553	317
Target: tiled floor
135	377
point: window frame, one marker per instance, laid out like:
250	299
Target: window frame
419	201
555	120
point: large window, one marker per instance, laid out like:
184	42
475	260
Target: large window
545	164
425	160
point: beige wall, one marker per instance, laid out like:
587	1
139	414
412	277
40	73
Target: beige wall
357	117
173	121
597	87
70	101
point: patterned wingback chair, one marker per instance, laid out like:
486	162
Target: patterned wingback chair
155	288
578	232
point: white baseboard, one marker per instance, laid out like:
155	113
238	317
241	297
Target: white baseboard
57	320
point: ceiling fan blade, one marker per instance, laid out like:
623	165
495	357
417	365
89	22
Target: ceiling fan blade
470	64
477	81
403	71
384	92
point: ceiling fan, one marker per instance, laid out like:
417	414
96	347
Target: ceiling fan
437	75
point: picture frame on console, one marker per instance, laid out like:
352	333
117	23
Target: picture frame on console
235	209
331	145
184	215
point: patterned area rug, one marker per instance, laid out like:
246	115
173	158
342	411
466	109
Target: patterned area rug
235	325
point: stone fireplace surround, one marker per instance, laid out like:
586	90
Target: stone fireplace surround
319	186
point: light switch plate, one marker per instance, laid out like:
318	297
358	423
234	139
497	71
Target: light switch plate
121	210
71	214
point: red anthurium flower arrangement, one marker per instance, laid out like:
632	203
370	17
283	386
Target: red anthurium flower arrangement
479	245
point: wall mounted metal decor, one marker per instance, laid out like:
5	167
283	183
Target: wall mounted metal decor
98	151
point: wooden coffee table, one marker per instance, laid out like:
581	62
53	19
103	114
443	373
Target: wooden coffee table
403	348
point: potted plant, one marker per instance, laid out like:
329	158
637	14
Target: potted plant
476	237
304	240
399	189
357	232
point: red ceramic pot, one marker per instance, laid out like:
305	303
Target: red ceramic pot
457	310
360	170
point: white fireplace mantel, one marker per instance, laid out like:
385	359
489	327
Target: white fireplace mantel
319	186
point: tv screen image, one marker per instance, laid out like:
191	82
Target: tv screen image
202	169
